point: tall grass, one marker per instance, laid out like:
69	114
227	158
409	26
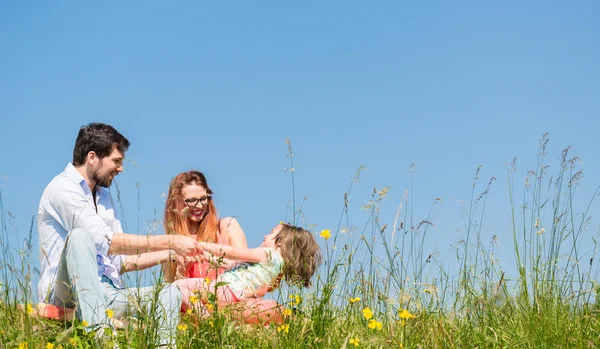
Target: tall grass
380	287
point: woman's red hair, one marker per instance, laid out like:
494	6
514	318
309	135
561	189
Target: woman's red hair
176	219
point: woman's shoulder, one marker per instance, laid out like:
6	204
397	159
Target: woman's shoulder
231	233
227	222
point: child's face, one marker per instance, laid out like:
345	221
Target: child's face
269	239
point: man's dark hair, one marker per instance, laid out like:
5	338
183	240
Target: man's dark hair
99	138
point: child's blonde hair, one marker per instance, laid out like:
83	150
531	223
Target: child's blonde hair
300	252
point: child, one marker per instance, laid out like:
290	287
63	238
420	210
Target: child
287	251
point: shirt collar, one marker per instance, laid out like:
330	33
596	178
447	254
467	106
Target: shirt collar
76	177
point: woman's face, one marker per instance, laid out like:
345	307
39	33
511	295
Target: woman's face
196	199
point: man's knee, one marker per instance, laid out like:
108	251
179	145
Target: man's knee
79	238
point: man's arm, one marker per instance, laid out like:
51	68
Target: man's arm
72	209
130	244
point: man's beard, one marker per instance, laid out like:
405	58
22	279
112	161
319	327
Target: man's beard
103	181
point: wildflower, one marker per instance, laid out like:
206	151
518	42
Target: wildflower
537	223
23	345
285	328
193	299
354	341
295	299
325	234
85	323
49	345
431	289
374	324
404	314
209	306
281	222
182	327
541	231
287	312
189	311
207	280
211	323
110	313
355	299
29	309
73	342
367	313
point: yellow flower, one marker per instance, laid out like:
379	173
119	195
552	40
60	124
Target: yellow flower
355	299
189	311
281	222
367	313
211	323
73	342
182	327
193	299
209	306
404	314
110	313
29	309
354	341
325	234
49	345
207	280
23	345
285	328
374	324
296	299
84	323
287	312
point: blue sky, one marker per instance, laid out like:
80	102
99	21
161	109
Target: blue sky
219	88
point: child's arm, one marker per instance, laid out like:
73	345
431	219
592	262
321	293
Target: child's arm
241	254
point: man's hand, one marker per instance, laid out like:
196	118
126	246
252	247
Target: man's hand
184	245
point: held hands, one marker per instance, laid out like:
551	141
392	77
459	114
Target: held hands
185	246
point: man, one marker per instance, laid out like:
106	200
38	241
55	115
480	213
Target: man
83	250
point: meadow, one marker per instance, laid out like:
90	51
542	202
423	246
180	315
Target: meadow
378	288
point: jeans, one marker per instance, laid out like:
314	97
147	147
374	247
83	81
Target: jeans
77	285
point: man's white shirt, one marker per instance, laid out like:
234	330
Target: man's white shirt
66	204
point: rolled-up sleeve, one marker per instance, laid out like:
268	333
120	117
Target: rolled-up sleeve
73	209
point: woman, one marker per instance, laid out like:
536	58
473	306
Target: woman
190	210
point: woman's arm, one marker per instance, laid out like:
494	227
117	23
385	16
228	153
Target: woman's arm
233	232
230	252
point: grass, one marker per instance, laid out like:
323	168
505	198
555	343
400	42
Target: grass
379	288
